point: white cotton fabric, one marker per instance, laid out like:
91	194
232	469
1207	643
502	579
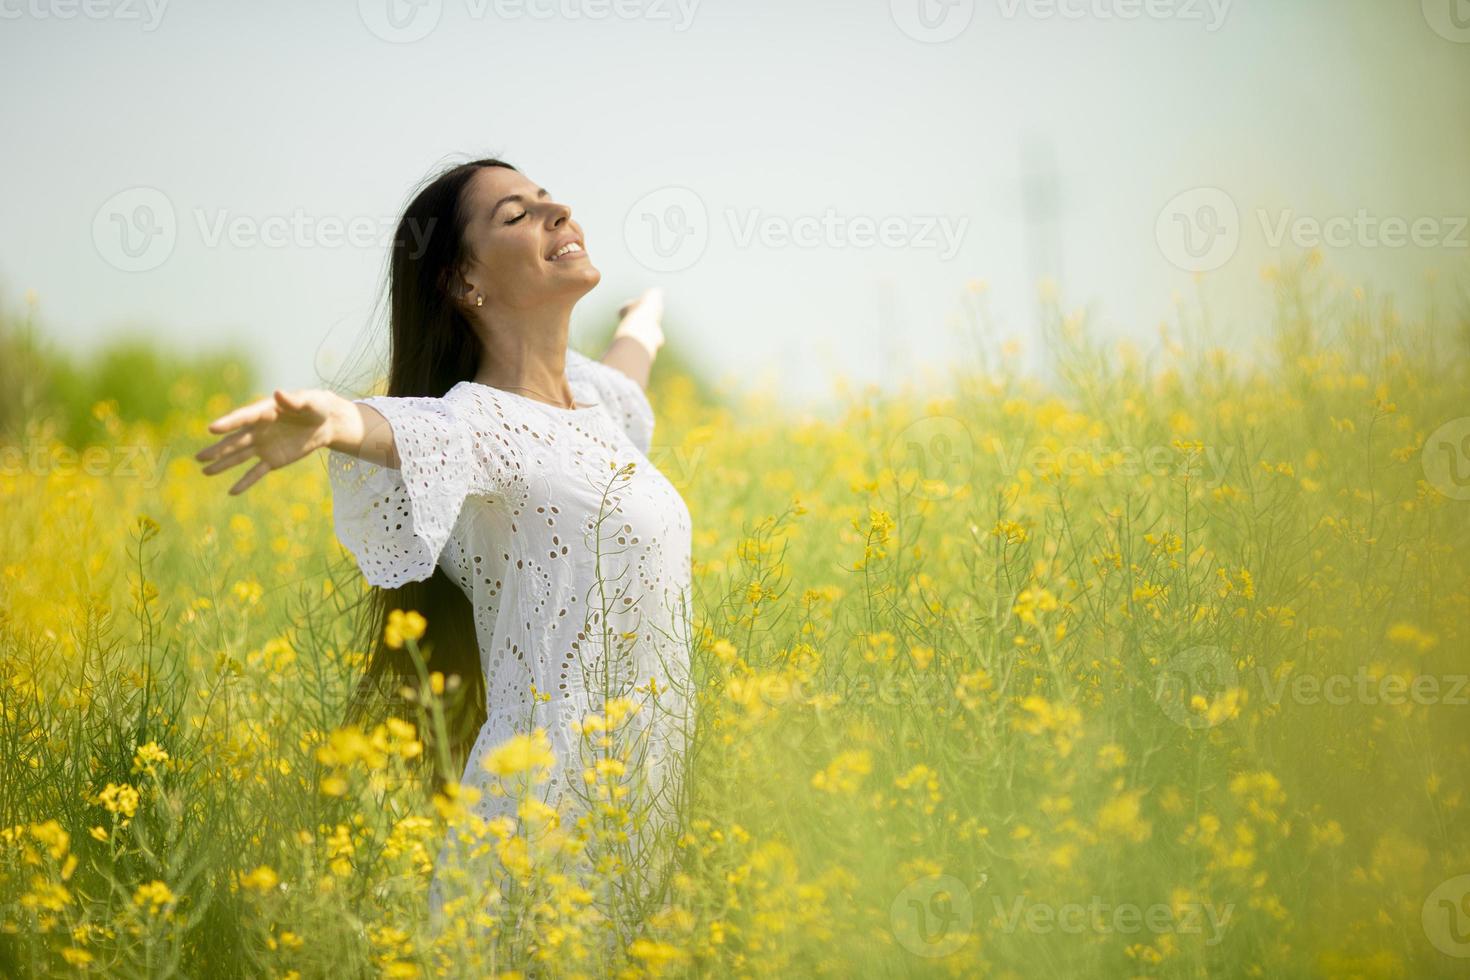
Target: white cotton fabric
579	578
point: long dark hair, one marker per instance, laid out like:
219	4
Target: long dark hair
432	347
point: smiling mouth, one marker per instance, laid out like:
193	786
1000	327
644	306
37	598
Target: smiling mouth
571	250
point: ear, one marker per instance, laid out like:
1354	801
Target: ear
460	292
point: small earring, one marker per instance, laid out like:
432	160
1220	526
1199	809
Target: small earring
479	300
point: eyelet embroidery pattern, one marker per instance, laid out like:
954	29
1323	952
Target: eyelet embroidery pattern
579	576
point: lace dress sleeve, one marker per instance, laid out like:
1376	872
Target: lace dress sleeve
623	397
396	522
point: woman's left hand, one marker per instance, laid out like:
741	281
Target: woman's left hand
641	319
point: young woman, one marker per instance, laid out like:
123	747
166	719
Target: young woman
502	489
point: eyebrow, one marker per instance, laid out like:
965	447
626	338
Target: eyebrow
543	192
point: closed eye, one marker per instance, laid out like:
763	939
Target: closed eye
516	218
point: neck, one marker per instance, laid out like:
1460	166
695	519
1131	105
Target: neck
526	349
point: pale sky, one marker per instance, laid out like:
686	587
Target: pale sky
813	184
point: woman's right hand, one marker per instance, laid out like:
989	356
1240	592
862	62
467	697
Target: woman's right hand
279	430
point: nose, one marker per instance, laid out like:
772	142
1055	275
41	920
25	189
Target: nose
558	213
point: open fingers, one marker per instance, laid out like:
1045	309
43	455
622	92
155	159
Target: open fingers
230	443
244	415
230	459
257	471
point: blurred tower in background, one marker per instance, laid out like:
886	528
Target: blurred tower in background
1041	207
894	362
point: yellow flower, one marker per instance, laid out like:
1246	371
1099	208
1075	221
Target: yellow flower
403	626
619	709
969	687
149	756
1061	857
153	896
53	835
656	955
262	879
1121	817
1032	601
521	753
844	773
75	956
120	799
1406	634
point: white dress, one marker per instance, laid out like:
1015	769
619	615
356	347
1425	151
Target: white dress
579	577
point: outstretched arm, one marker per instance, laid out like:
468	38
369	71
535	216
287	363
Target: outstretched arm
638	337
291	425
631	358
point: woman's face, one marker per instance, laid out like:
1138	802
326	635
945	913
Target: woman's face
512	236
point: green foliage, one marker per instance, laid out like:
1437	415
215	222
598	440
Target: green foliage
45	385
